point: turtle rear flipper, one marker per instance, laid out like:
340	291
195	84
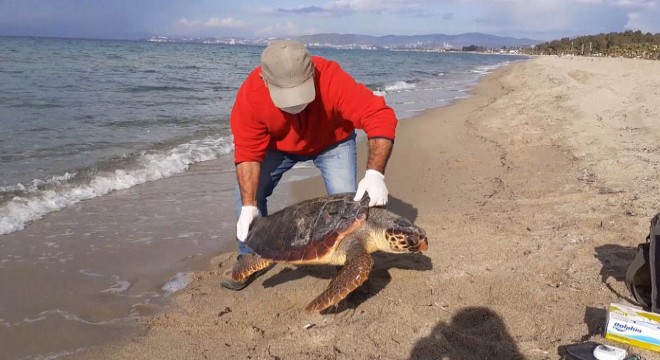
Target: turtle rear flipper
247	265
354	273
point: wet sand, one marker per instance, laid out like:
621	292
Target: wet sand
89	273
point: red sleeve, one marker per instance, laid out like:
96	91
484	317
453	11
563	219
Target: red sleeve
251	135
359	104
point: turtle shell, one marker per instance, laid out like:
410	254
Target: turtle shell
309	230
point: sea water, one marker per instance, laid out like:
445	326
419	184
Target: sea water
82	119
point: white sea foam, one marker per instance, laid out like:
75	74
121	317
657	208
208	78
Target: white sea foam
89	273
118	287
15	214
53	356
393	88
37	183
399	86
487	69
177	283
68	316
37	319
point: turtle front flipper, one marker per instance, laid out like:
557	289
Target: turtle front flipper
248	265
354	273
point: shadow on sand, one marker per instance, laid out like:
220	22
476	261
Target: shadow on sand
615	260
402	208
473	333
378	278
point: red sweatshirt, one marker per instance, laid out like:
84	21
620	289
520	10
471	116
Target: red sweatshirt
341	105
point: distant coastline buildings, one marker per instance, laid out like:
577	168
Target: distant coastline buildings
206	40
418	46
258	42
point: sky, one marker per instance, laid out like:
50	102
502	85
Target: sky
132	19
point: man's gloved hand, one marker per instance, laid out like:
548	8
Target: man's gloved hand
248	214
373	183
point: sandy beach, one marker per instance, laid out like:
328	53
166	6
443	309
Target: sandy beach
534	194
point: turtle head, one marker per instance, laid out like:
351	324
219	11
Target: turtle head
403	236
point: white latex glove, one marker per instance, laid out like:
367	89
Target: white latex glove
373	183
248	214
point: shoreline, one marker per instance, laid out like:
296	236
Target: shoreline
534	194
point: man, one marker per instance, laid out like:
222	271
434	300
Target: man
296	107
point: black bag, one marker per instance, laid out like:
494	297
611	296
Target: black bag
643	275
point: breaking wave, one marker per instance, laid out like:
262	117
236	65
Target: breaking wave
28	203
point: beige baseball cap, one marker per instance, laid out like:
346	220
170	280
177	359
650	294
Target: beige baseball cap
287	68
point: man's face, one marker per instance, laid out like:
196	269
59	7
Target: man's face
293	110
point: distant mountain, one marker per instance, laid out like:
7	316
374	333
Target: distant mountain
431	41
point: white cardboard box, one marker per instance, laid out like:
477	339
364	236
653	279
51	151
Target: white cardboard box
633	326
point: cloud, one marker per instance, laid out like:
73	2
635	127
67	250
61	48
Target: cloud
379	6
646	19
543	19
226	23
303	10
346	7
188	23
212	23
559	18
278	29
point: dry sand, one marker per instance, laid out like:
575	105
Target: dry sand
534	194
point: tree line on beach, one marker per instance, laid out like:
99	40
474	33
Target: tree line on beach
629	44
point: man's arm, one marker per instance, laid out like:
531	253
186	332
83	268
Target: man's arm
373	182
380	150
248	181
247	173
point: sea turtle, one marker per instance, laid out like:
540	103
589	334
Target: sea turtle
332	230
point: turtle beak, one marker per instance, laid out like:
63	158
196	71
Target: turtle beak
419	244
423	244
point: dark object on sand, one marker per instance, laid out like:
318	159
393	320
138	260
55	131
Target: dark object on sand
582	351
643	275
330	230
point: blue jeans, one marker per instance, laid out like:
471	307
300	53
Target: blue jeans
338	166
